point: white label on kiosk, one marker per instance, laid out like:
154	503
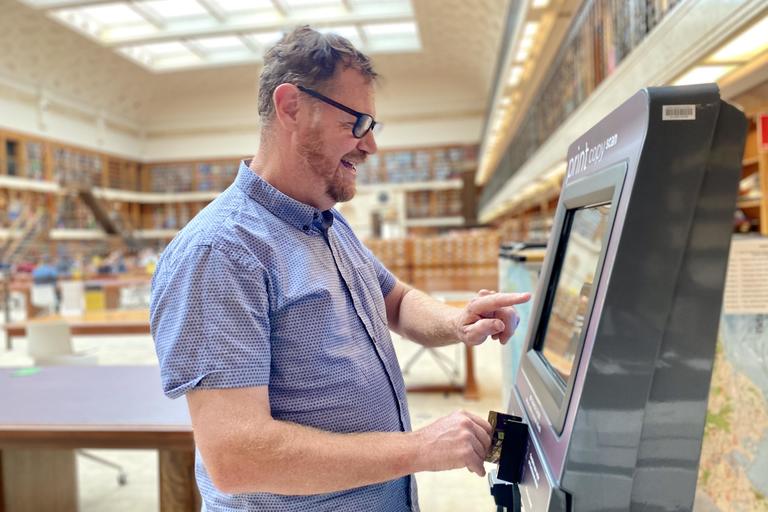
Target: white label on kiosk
678	113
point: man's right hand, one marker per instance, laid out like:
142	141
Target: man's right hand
461	439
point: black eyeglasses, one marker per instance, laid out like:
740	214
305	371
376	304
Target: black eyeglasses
364	123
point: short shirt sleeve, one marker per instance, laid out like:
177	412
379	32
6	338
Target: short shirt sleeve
209	316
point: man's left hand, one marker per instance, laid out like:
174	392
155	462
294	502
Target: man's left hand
490	314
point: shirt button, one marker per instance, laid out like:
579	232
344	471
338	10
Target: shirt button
305	228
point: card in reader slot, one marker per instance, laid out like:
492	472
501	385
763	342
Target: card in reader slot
498	423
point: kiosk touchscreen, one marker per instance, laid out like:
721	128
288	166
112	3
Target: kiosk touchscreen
614	378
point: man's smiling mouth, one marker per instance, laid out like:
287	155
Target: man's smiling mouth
349	165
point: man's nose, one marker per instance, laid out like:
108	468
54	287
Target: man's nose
368	143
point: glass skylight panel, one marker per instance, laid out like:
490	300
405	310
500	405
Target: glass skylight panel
212	44
135	53
311	4
170	48
132	31
112	14
265	39
176	61
315	9
384	37
75	19
381	6
171	9
197	33
356	3
390	29
243	6
161	54
347	31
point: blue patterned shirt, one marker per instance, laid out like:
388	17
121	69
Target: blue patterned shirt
262	290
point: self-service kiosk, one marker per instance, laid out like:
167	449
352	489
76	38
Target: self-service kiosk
614	378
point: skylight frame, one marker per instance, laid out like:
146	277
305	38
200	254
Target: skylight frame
256	24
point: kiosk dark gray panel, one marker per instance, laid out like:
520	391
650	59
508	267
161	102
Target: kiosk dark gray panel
619	427
677	406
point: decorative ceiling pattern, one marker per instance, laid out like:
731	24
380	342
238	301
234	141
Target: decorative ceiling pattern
38	52
167	35
452	72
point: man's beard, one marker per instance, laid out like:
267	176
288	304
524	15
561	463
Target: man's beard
337	186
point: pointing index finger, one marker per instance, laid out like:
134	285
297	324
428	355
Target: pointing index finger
489	303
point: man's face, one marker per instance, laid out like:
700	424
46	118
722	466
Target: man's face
325	142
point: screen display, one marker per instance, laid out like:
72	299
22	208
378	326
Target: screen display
574	270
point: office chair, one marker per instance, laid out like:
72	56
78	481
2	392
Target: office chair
50	344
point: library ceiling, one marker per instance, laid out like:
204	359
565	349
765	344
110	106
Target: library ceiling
457	46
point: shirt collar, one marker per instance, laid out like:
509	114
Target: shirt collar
301	216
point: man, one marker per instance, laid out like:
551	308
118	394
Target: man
273	319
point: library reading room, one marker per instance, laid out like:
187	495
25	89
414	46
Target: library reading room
383	255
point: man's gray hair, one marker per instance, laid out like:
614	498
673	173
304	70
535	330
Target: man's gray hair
308	58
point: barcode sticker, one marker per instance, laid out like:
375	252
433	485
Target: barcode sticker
678	112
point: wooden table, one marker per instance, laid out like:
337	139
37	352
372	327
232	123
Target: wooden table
469	389
110	285
47	414
92	323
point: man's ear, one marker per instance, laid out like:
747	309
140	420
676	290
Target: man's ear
286	101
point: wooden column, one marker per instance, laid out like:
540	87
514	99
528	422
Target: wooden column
21	158
469	198
471	391
144	181
196	175
51	200
2	483
104	178
3	156
35	480
178	491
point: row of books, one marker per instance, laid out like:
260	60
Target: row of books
456	277
463	249
536	227
171	178
480	248
418	165
173	216
82	168
200	177
433	203
76	168
69	166
15	203
123	175
606	32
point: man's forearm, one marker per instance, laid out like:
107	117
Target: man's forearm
427	321
286	458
